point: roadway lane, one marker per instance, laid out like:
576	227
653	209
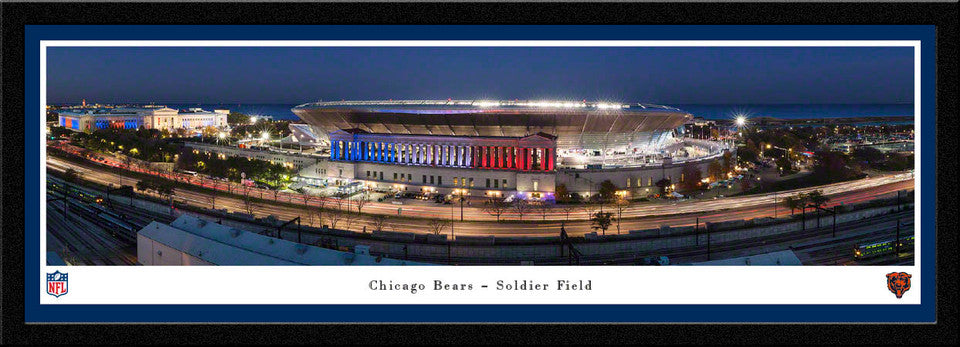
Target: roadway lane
533	225
475	213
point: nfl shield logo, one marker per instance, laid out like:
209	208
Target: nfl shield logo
56	283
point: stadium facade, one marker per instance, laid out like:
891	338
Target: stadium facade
503	148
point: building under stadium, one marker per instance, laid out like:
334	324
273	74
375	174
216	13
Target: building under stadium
502	148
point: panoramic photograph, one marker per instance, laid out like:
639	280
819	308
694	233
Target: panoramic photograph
630	156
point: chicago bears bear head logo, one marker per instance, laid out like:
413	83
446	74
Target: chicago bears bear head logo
898	283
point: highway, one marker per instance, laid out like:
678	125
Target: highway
475	213
639	216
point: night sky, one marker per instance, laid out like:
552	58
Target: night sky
656	75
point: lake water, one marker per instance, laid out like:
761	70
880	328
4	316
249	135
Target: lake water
784	111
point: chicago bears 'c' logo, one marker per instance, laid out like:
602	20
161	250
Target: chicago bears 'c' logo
898	283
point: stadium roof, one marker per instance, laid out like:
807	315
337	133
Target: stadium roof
576	124
427	106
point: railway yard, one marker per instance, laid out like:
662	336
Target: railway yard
88	229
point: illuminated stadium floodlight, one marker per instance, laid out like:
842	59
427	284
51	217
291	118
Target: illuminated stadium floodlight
486	103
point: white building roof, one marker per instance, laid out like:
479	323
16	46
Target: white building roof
224	245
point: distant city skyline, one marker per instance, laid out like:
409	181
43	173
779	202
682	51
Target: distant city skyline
668	75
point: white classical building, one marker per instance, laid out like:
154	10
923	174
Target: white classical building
146	117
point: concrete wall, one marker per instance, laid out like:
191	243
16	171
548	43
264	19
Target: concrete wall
490	250
150	252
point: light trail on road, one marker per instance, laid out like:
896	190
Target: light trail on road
640	217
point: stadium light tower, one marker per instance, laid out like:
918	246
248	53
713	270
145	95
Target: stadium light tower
741	121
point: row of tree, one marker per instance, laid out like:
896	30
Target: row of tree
234	168
143	144
802	201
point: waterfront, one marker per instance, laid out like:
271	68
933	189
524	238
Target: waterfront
281	111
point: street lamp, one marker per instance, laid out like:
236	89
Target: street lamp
460	193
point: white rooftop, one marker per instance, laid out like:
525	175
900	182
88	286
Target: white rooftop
786	257
224	245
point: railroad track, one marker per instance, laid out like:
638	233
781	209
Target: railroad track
87	236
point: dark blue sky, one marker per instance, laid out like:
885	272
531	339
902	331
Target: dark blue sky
656	75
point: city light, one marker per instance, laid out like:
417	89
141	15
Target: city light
741	121
486	103
222	135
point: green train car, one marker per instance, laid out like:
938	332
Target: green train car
876	249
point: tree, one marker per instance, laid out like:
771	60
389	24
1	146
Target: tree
601	221
334	217
784	164
748	154
521	206
727	162
321	204
575	198
213	199
567	209
248	203
715	170
621	205
378	222
745	184
542	208
663	183
817	199
362	200
792	203
562	194
162	187
336	214
607	190
436	226
236	118
868	155
831	166
495	207
691	177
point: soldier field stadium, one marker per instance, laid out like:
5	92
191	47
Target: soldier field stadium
520	149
